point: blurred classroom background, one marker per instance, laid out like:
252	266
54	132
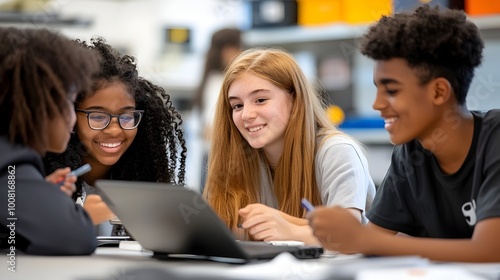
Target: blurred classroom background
170	38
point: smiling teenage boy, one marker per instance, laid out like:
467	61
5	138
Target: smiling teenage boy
442	189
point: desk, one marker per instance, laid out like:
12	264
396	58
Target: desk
114	263
105	263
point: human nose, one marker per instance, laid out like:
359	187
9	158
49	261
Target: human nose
380	102
114	125
248	113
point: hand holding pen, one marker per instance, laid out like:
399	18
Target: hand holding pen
307	205
66	179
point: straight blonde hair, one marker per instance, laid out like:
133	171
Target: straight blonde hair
233	179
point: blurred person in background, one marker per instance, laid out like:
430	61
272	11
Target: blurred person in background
225	44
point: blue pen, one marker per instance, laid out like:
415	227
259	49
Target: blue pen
78	172
307	205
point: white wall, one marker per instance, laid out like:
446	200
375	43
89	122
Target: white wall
137	26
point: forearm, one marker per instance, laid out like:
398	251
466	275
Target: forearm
98	210
304	234
455	250
294	220
302	231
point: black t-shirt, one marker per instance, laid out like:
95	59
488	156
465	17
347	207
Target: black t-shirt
418	199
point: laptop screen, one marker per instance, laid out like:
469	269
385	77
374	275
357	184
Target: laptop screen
170	219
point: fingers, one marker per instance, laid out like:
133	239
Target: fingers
255	220
58	175
243	212
336	228
68	189
255	224
263	222
247	213
251	209
255	213
263	230
66	183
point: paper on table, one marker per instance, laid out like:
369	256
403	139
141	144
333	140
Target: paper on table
283	266
351	268
486	270
286	266
130	245
433	272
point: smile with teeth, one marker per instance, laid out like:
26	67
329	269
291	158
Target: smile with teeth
390	120
254	129
110	145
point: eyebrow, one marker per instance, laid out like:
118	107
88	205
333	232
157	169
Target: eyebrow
387	81
100	108
251	93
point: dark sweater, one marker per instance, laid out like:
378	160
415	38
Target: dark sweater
35	216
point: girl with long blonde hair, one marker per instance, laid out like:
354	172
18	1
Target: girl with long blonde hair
273	145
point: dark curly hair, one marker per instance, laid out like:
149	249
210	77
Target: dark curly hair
435	42
39	68
158	152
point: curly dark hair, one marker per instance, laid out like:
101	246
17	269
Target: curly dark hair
158	152
435	42
39	68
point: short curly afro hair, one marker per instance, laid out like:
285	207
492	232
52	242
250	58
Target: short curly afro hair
435	42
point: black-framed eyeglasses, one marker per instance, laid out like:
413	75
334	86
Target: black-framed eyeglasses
99	120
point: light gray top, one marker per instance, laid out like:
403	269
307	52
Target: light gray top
341	173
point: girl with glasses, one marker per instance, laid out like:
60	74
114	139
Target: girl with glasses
41	73
127	129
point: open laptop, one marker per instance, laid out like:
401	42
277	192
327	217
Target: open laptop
171	220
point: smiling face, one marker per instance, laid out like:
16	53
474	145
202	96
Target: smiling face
261	112
106	146
406	105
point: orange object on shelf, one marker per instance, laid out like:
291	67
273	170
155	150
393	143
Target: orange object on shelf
482	7
363	11
318	12
335	114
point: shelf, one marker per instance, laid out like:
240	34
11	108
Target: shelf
298	34
486	22
334	32
42	19
369	136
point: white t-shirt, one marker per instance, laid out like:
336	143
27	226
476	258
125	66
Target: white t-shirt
342	176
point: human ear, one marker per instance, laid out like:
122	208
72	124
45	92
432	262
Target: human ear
442	91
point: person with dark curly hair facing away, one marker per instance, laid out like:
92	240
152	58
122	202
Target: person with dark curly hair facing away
126	129
440	198
274	145
41	73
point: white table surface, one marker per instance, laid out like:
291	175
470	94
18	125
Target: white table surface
114	263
